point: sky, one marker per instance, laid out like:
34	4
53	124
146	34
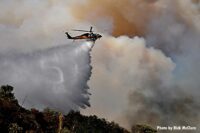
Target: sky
145	68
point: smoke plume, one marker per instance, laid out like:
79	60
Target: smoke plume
127	66
156	85
128	17
145	69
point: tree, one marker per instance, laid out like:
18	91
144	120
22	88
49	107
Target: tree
6	92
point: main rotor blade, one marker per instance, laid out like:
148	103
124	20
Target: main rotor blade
81	30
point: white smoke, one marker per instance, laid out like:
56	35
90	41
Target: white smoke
126	65
28	25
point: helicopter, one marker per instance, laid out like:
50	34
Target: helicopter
90	36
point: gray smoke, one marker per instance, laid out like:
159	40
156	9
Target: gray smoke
152	80
178	102
55	77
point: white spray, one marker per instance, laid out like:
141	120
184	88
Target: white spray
56	77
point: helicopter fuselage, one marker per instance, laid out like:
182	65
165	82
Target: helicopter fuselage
88	36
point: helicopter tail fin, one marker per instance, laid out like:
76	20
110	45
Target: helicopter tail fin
91	29
69	37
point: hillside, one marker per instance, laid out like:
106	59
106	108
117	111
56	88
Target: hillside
14	119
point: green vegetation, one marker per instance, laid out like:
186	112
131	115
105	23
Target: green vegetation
16	119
